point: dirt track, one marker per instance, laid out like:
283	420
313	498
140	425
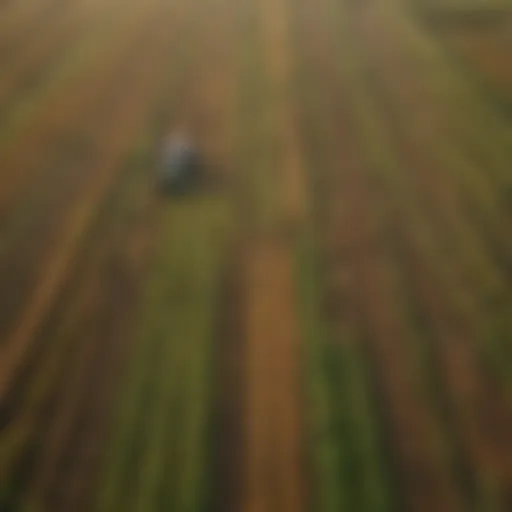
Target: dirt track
273	471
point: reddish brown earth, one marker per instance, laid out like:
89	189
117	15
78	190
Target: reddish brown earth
273	461
273	457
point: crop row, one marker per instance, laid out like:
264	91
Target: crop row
43	388
159	453
396	212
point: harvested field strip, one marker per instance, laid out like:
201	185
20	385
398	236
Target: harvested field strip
110	32
482	298
274	479
387	330
71	140
475	121
461	249
41	222
57	265
440	194
65	109
477	42
479	195
485	54
20	18
465	380
50	44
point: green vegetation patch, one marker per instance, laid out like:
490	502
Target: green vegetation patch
349	470
158	457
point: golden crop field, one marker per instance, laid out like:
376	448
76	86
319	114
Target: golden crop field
323	324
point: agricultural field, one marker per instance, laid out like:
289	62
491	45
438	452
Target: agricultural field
323	324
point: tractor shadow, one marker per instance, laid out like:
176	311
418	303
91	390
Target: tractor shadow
212	180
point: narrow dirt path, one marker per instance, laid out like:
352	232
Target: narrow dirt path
273	473
273	469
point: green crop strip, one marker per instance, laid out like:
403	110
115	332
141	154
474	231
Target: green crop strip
160	445
175	343
350	469
385	168
328	494
159	459
347	456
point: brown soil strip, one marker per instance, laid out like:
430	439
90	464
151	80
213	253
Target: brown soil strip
20	18
273	464
273	477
